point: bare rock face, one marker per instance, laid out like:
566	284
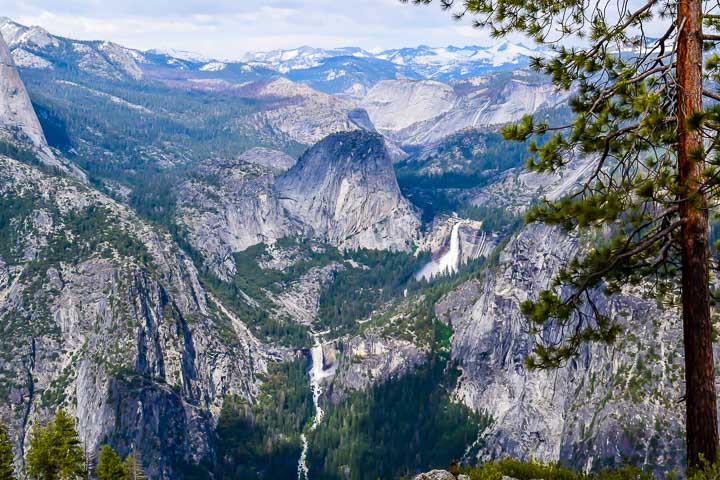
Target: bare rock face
105	317
231	206
19	124
602	408
16	111
304	114
267	157
443	475
345	191
372	358
397	104
412	112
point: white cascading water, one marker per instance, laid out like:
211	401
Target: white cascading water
317	373
447	263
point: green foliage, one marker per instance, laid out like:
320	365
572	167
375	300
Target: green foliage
435	178
465	160
537	470
376	277
262	440
251	280
494	219
394	429
55	451
151	140
706	471
132	467
110	466
368	279
7	467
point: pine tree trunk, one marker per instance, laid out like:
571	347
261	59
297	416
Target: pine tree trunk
700	400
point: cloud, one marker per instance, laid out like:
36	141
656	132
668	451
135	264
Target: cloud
228	28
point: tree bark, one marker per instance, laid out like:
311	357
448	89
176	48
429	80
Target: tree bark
700	399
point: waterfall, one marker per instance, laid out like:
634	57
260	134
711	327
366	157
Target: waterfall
448	262
317	373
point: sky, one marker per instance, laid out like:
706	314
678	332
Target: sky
228	28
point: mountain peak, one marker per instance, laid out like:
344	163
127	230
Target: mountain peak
19	124
344	188
16	111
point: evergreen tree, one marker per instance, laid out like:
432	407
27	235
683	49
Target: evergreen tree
110	466
39	462
7	468
67	447
640	117
55	451
132	467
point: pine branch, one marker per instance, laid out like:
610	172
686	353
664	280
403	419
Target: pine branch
709	94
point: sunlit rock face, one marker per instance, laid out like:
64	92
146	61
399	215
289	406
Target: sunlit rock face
345	191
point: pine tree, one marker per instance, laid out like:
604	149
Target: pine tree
640	117
132	467
55	452
67	447
110	466
39	462
7	468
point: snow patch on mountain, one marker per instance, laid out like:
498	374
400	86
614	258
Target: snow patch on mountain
213	67
298	58
25	59
180	54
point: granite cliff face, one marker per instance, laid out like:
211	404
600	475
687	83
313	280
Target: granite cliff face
610	404
344	189
106	317
613	403
231	206
19	125
422	112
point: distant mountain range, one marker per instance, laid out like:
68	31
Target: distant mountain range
352	71
437	63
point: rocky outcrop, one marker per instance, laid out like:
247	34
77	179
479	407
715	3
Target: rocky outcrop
396	104
422	112
516	189
229	207
18	123
344	190
443	475
609	405
370	359
104	316
300	301
304	114
266	157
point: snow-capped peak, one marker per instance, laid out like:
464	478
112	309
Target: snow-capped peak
181	54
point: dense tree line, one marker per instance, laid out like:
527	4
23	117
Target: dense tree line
357	290
56	453
393	429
